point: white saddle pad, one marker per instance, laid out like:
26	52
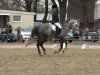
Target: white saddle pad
53	27
58	25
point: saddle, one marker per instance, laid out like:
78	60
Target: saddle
52	26
57	28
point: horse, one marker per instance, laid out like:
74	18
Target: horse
44	31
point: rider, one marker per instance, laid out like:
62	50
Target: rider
55	19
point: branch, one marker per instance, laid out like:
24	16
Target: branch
59	1
20	3
75	4
53	1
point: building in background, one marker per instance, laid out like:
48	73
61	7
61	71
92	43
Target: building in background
97	14
16	18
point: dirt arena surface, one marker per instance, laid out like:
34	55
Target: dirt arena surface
25	61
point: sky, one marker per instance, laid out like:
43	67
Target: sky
98	1
50	1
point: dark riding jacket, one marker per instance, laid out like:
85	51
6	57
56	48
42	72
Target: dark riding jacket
55	18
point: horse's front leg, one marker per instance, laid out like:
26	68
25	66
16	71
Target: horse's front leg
61	45
65	46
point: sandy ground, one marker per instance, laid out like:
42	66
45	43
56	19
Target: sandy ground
26	61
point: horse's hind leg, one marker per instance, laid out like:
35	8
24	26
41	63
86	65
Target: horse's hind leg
39	52
44	50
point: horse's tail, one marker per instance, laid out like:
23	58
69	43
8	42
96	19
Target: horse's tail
31	38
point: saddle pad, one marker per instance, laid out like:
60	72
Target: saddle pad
58	25
53	27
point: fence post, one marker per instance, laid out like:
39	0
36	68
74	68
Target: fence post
18	29
99	36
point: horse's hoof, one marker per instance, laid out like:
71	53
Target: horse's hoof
56	52
44	53
63	51
40	55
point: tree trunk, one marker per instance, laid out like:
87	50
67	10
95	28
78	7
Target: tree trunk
53	1
28	5
35	9
84	10
62	6
46	11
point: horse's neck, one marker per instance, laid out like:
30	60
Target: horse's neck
66	26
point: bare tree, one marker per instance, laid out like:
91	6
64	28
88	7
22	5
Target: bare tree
35	8
62	6
46	11
84	10
4	4
53	1
28	5
1	3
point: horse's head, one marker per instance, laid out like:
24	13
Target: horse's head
74	24
71	24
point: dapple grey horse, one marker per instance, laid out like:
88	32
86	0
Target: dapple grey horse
45	31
